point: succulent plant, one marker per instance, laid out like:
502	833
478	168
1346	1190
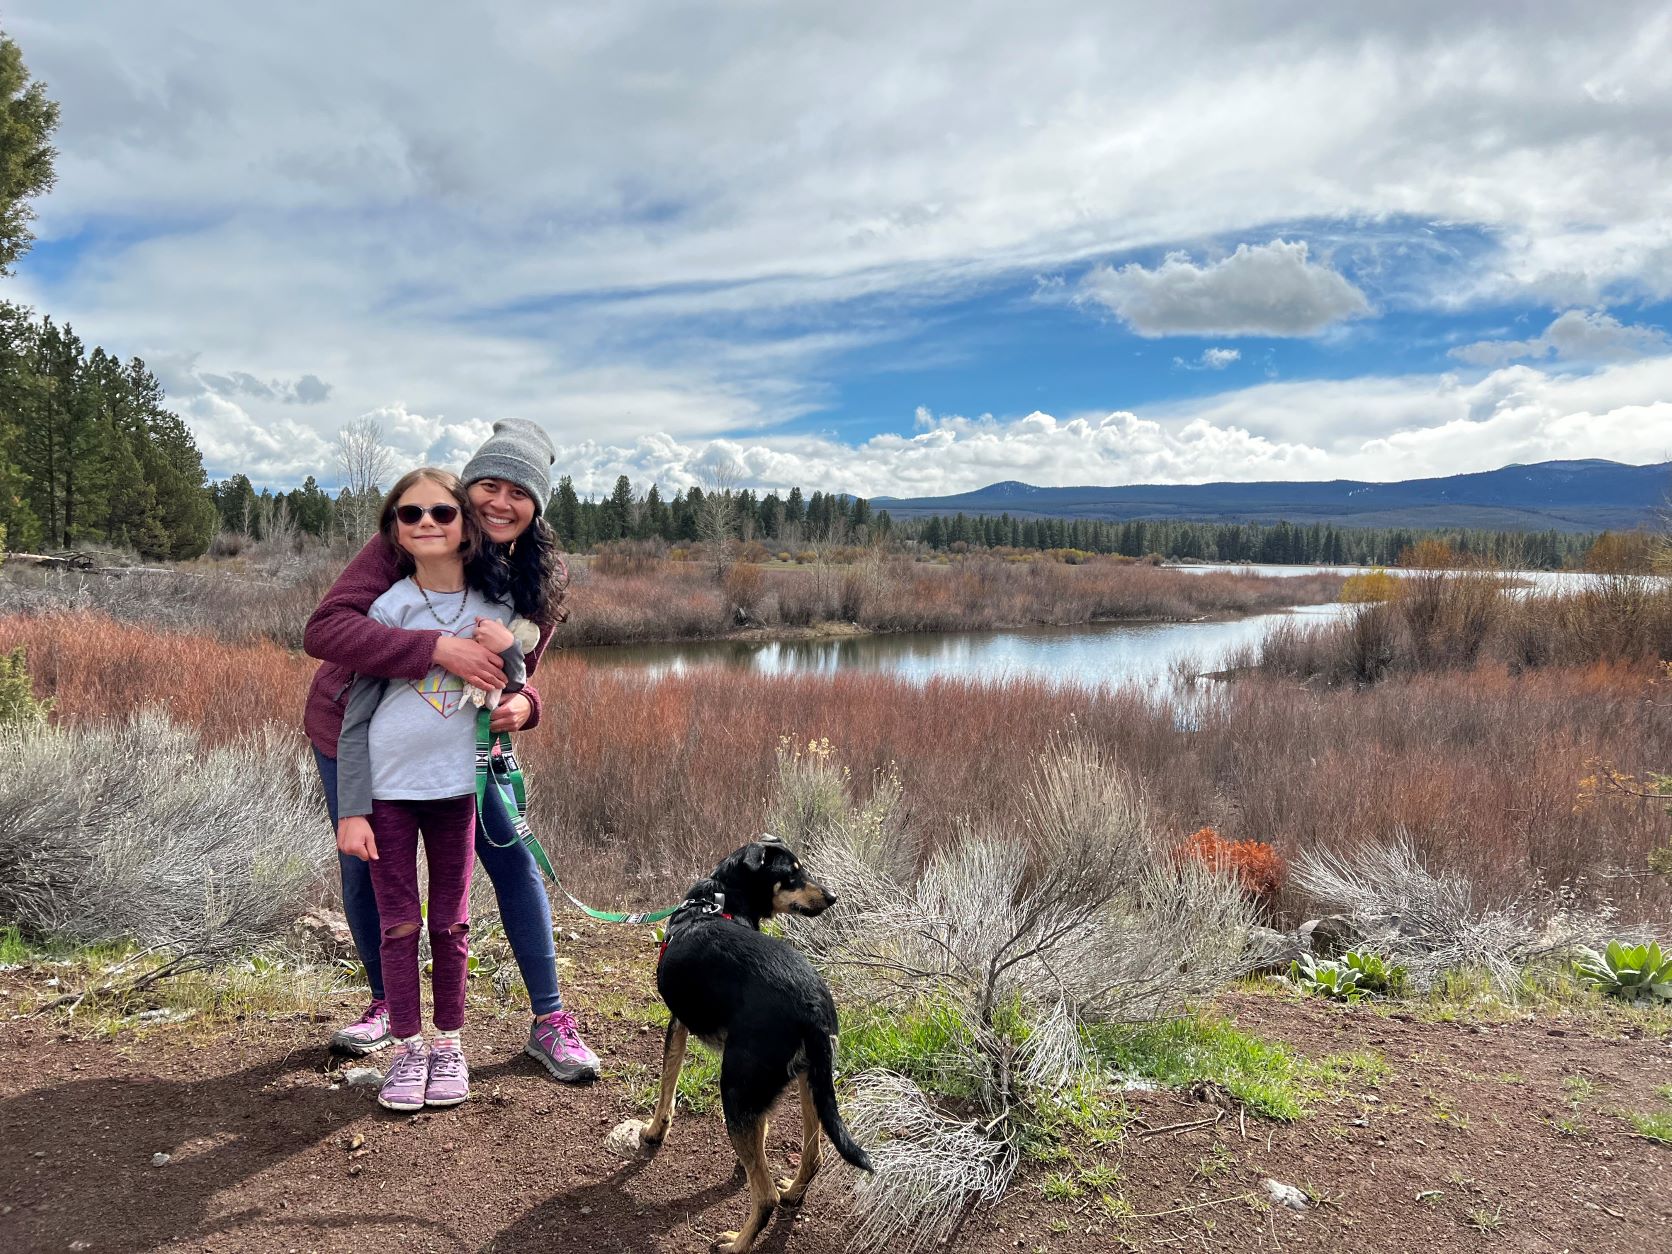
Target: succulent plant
1375	973
1628	971
1325	977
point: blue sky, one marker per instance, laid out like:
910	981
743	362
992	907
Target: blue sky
881	249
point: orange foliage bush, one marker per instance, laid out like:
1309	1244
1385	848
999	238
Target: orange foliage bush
1256	865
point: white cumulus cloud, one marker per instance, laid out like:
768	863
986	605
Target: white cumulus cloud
1579	335
1404	428
1265	289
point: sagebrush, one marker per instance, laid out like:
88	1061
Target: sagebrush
137	831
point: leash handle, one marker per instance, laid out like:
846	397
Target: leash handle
502	773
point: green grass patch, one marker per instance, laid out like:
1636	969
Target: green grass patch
1266	1077
1059	1187
1657	1127
14	950
918	1044
1549	990
272	983
699	1081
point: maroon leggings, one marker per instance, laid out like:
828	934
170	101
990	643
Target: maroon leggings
449	831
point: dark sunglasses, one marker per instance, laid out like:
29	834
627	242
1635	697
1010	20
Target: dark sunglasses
412	515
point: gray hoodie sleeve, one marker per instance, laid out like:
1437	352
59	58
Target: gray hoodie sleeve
354	759
516	670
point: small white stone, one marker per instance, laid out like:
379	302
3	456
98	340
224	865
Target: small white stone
160	1159
1286	1194
624	1139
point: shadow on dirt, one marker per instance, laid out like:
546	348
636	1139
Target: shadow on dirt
70	1174
609	1215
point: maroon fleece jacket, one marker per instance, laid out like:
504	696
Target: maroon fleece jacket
347	643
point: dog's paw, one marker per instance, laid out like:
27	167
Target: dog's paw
628	1139
728	1244
787	1195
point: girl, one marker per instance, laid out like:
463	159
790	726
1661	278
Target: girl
406	758
508	481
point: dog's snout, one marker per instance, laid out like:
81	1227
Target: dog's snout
829	899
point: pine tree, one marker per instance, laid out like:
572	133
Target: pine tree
27	120
566	514
618	517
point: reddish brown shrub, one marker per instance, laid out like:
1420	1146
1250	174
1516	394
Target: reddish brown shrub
1258	868
638	782
743	586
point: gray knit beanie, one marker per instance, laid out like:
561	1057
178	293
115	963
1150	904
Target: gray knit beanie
518	452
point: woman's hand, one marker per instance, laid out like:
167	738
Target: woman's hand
354	837
494	634
511	714
471	661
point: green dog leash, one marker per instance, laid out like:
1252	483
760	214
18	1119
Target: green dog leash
501	773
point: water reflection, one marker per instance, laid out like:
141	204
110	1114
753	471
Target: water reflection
1087	655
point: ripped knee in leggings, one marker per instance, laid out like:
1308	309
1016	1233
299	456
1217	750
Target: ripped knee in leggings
457	929
400	931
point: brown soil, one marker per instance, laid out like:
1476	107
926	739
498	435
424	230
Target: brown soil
1460	1148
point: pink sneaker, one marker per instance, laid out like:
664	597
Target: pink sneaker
367	1034
556	1042
409	1073
449	1082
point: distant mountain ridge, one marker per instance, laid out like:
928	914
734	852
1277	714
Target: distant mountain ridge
1588	495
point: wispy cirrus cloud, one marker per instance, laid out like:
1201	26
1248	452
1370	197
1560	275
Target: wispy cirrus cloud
1210	359
640	222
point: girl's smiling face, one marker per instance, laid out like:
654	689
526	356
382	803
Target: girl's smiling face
503	510
427	539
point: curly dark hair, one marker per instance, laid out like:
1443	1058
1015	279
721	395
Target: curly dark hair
529	572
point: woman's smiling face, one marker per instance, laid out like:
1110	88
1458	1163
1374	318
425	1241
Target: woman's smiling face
503	510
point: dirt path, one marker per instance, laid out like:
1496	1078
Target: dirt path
1500	1137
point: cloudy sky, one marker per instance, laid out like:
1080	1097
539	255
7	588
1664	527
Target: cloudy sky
875	247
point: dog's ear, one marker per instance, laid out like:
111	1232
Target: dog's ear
754	857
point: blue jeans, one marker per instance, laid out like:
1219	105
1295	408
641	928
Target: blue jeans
524	910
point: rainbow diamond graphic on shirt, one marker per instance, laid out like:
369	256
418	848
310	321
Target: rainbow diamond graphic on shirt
442	689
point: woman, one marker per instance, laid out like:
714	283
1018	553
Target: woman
507	481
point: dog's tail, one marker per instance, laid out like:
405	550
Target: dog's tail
821	1079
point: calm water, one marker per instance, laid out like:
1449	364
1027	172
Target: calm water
1090	655
1538	580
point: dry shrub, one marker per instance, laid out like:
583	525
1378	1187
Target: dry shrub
629	593
743	585
641	781
1255	865
1434	923
100	669
1025	932
235	601
679	601
628	557
1371	585
888	594
1454	621
138	831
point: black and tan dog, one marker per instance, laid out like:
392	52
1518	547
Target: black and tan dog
759	1002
